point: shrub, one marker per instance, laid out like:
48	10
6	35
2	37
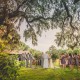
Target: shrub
8	70
54	56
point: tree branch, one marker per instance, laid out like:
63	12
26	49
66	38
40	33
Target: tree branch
25	1
68	13
75	1
39	18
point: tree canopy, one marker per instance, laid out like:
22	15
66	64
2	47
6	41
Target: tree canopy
39	15
10	38
68	38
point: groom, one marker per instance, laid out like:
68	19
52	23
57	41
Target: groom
29	59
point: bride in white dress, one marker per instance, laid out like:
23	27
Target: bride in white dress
45	60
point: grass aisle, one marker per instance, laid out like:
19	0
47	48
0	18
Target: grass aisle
48	74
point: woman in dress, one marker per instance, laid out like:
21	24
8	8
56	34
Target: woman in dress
76	59
50	61
63	61
66	59
45	59
70	61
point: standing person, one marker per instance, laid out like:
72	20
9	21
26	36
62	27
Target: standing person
63	61
50	61
76	59
70	61
79	60
66	59
24	58
27	59
46	58
31	58
42	60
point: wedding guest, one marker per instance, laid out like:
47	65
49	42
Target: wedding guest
31	58
66	59
50	61
42	60
63	61
79	60
70	61
76	59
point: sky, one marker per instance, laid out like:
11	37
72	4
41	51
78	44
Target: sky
44	42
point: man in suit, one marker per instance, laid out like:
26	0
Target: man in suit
29	59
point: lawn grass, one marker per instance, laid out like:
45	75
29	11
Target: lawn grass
48	74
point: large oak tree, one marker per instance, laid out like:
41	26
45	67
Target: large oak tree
39	15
